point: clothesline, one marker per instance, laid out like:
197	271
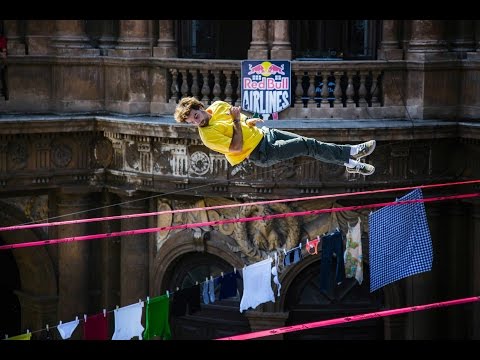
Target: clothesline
229	206
229	221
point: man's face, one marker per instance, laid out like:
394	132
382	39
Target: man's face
198	117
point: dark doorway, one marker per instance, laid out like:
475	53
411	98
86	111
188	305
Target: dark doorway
10	320
307	303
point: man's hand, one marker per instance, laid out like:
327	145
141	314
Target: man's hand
235	112
253	121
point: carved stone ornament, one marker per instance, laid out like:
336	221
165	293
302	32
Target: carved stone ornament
132	155
17	154
163	220
199	162
61	154
103	152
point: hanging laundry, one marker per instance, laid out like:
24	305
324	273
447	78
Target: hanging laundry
312	246
228	285
400	242
257	285
95	327
293	255
186	300
26	336
156	318
128	322
66	330
332	244
353	253
208	291
275	274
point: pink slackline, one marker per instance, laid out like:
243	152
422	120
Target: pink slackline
348	319
130	216
228	221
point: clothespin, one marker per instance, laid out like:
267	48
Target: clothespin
284	251
276	257
168	293
60	323
76	318
28	331
221	273
235	270
139	301
178	288
47	327
104	312
148	299
275	116
116	307
6	336
85	317
206	279
211	277
196	282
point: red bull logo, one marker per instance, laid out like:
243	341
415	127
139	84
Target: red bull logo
266	68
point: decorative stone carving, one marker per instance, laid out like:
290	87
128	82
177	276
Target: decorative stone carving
34	208
17	154
132	155
199	163
163	220
61	154
103	152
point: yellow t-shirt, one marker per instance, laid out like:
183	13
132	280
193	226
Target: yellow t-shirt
217	135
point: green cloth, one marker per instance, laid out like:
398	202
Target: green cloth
157	323
26	336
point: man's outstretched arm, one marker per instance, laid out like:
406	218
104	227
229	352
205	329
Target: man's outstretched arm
236	145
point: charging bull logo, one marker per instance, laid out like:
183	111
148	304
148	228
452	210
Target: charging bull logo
266	87
266	68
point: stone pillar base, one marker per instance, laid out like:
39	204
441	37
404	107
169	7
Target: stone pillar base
257	54
77	51
281	54
164	52
390	54
130	52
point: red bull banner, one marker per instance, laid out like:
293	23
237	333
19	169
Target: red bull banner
266	87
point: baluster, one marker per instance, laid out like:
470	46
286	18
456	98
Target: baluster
325	102
174	87
362	90
299	89
228	86
237	90
217	90
338	90
205	88
194	88
311	91
375	88
184	87
350	92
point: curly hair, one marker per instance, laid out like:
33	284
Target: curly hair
185	106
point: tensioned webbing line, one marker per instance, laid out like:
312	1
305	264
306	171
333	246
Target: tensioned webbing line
228	206
228	221
348	319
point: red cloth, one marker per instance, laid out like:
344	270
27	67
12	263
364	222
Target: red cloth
96	327
3	42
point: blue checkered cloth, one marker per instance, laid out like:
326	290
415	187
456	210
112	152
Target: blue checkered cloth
400	242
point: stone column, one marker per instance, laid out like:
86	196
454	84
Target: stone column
73	258
133	254
390	46
16	42
37	311
71	39
38	36
166	46
476	269
426	40
266	320
464	37
259	45
133	40
281	46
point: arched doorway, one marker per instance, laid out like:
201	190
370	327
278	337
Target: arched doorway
306	303
10	313
220	319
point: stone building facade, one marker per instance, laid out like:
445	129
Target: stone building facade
87	131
